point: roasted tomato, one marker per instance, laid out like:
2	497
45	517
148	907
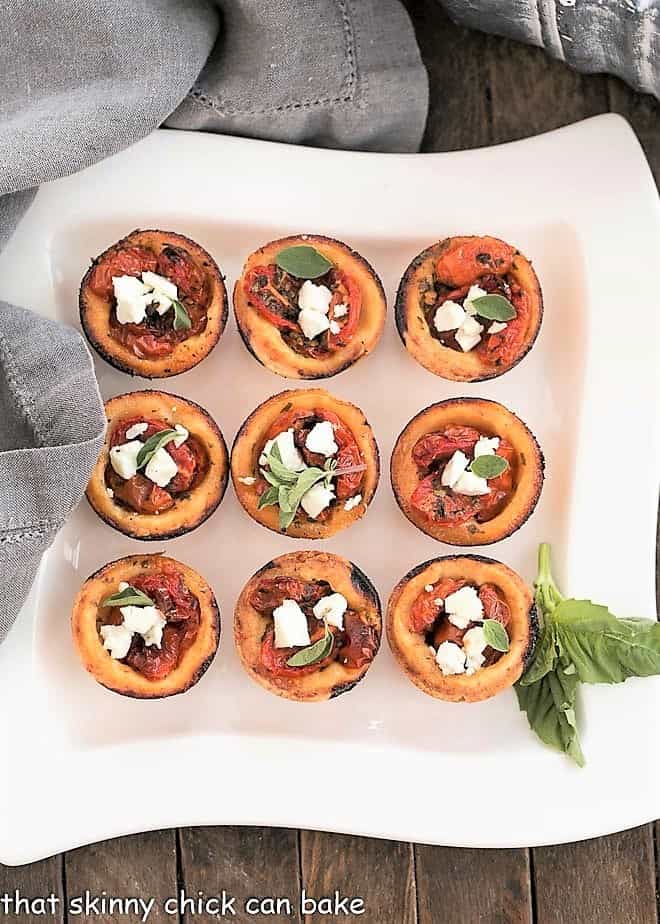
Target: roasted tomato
445	272
123	261
307	577
414	635
190	635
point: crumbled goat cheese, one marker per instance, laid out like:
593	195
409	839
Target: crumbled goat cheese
463	607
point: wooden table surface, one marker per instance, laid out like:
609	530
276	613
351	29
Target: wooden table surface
484	90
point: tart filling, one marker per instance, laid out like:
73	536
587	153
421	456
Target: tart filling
154	303
305	463
467	471
163	468
308	625
469	308
462	627
146	626
308	306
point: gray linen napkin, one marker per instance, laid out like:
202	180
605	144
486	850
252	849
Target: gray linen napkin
82	79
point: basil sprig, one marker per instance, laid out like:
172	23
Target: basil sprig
288	487
182	319
496	635
129	596
153	444
580	642
315	652
494	308
303	262
489	465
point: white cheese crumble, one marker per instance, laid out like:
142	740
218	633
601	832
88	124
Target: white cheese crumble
428	588
160	284
123	459
454	469
352	502
332	609
146	621
486	446
314	303
249	480
321	439
474	643
449	316
161	467
497	327
313	323
110	492
289	453
317	499
468	334
450	658
116	640
463	607
136	430
475	292
290	625
123	585
140	619
471	485
182	437
132	299
334	327
340	310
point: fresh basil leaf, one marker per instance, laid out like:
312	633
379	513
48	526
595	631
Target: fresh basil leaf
303	262
549	704
269	498
153	444
313	653
277	467
270	478
181	317
544	657
496	635
603	648
489	466
129	596
283	499
494	308
287	517
306	480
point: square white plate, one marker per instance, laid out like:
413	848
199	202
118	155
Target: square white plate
580	202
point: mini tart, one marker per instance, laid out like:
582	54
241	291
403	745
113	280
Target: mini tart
264	340
251	438
191	508
490	419
332	678
412	651
118	676
96	310
413	323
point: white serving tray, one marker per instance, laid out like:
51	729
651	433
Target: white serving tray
581	202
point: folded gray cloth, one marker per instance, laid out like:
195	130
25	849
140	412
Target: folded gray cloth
83	79
619	37
51	435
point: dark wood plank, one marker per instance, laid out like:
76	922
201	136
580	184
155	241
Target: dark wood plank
381	873
36	880
246	862
142	866
643	113
459	95
457	886
532	92
607	879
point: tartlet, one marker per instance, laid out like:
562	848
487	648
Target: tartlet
181	638
303	418
438	655
310	581
182	318
267	305
452	273
138	506
433	481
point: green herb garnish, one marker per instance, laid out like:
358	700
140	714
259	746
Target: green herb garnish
153	444
580	642
288	487
129	596
313	653
489	466
182	319
495	635
494	308
303	262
